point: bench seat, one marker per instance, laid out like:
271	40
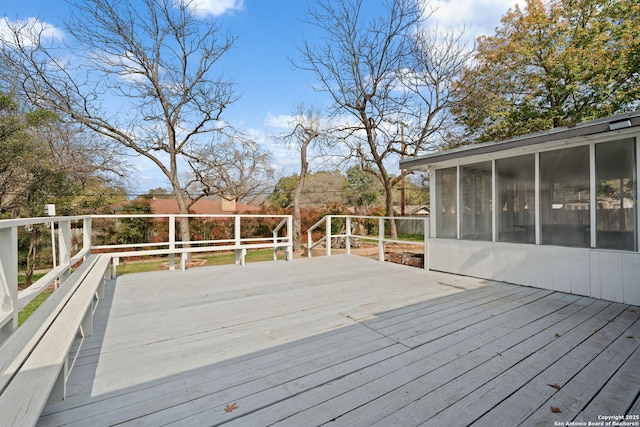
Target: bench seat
34	359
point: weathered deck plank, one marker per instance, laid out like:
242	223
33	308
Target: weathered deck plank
347	341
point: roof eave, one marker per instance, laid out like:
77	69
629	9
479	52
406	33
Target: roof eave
593	127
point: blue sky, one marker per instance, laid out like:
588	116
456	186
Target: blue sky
269	33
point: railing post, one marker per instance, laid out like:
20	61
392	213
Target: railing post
64	246
309	243
327	242
240	253
289	253
381	239
427	226
348	231
236	230
8	280
275	244
86	235
172	242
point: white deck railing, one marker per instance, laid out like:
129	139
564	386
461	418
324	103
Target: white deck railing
76	239
349	232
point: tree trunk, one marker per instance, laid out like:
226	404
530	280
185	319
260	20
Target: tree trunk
388	199
183	224
297	221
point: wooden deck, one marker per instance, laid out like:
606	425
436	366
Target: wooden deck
348	341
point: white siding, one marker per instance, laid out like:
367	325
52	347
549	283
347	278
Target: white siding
609	275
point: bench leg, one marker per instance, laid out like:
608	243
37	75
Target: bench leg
87	321
240	255
115	262
59	391
103	283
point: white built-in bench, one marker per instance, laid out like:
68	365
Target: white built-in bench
34	360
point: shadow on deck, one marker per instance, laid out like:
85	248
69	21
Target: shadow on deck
348	341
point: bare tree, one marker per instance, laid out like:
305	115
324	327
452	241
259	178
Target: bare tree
306	128
235	168
83	156
140	73
439	59
388	78
358	65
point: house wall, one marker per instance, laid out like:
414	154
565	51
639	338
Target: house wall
605	274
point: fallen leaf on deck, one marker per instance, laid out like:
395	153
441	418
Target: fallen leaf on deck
498	353
230	408
630	337
555	409
557	335
556	386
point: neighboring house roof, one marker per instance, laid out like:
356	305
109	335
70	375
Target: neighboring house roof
412	210
201	207
592	127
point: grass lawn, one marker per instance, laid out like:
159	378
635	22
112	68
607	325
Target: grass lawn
215	259
33	305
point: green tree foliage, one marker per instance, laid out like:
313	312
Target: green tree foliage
322	188
135	230
551	64
28	176
282	194
15	152
362	189
158	193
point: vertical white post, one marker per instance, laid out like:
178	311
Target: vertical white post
433	194
275	245
427	227
381	239
64	247
593	197
637	196
494	200
172	242
537	185
289	250
236	230
53	244
309	243
458	204
8	279
86	234
347	244
115	262
240	253
328	234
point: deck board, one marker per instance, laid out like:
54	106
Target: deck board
347	341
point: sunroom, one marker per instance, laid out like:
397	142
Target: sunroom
555	210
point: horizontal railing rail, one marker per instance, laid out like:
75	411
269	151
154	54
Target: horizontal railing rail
74	238
380	238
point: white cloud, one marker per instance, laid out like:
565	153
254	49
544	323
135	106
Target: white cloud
29	30
217	7
478	17
280	121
